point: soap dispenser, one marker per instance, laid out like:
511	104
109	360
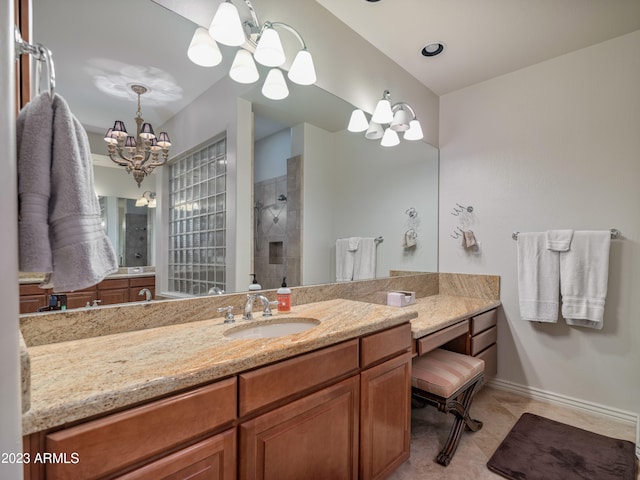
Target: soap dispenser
284	297
254	285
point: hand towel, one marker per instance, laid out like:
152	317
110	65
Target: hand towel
364	267
410	239
344	260
584	273
468	239
34	133
354	242
559	240
538	279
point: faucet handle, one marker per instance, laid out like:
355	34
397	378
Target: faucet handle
267	308
228	316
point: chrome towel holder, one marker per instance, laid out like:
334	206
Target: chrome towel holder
615	234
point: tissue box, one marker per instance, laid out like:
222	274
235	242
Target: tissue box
401	299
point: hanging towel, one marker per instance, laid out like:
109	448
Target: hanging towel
344	260
584	272
559	240
354	242
538	279
364	267
410	239
34	134
468	239
80	252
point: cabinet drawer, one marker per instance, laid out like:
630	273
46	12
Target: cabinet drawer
483	321
294	376
490	357
142	281
434	340
33	289
389	343
483	340
112	443
113	283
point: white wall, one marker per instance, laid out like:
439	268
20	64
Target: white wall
555	145
116	182
270	155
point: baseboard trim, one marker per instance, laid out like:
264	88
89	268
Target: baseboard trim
537	394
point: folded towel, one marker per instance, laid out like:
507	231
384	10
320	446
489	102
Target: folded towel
468	239
353	243
538	279
584	272
344	260
364	267
410	239
559	240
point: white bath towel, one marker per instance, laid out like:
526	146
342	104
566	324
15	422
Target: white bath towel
364	267
344	260
538	279
584	273
559	240
80	252
354	243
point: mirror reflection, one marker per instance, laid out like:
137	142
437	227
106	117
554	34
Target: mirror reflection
296	181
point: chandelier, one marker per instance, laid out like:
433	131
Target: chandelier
142	153
262	40
387	120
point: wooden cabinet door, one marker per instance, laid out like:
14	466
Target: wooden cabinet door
117	295
31	303
210	459
314	437
385	417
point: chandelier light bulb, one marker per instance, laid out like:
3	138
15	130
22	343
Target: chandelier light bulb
390	138
382	113
414	132
203	49
243	69
269	51
302	70
226	26
358	121
275	86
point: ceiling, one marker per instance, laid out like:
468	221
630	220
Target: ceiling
113	48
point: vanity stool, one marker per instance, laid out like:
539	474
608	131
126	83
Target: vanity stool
448	380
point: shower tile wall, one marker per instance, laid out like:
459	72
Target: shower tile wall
277	227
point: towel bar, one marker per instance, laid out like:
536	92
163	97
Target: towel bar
615	233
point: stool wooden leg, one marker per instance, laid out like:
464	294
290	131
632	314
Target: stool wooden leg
460	410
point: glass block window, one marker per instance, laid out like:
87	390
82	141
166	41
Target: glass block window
197	220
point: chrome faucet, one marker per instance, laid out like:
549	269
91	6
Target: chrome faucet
147	293
248	307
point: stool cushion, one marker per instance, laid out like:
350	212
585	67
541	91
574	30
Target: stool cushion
442	372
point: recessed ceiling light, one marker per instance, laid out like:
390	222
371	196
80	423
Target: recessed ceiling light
432	49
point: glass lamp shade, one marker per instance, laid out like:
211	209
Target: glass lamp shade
243	69
163	140
146	131
275	86
374	132
226	26
358	121
152	203
414	132
302	70
269	51
390	138
382	113
118	130
141	202
400	121
109	138
203	49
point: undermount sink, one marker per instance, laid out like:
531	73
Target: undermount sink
271	329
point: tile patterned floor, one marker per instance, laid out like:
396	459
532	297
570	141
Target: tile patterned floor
499	410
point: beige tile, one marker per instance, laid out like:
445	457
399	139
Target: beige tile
499	411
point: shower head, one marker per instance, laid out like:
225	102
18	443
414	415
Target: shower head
282	197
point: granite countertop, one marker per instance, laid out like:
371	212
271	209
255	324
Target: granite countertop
77	379
440	311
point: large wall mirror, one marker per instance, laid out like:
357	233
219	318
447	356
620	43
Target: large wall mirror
296	179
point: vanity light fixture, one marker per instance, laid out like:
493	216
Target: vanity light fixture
387	120
142	153
147	199
258	43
